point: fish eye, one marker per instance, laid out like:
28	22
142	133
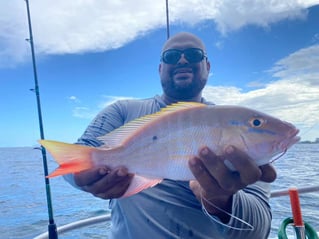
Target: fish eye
256	122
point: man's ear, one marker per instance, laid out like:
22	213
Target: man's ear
208	65
160	68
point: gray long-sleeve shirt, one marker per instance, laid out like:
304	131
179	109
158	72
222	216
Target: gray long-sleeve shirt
170	209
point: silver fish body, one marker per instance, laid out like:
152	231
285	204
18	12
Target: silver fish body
159	146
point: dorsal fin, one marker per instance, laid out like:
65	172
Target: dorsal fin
119	135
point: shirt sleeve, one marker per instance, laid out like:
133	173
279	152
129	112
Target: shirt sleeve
107	120
110	118
113	117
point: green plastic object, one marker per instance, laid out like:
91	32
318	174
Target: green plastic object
310	231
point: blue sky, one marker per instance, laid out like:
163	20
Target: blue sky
264	55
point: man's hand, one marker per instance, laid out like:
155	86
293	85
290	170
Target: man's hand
103	182
216	183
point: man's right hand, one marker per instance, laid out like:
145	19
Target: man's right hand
103	182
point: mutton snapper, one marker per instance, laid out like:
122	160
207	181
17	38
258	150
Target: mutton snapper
158	146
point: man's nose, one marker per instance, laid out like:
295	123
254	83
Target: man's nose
182	60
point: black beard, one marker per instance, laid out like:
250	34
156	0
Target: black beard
183	92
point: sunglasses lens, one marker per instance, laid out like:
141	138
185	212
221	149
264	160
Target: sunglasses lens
171	56
192	55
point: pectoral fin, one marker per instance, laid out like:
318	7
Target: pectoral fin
140	183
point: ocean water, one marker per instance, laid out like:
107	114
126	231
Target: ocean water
23	210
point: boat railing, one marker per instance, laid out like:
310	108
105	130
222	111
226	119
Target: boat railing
78	224
107	217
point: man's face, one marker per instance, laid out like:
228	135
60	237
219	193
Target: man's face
184	79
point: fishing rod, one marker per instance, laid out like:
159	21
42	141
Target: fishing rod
301	228
52	229
167	19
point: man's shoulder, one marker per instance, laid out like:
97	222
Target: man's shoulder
207	102
134	108
135	101
152	103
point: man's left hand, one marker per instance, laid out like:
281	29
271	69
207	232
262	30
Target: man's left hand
215	183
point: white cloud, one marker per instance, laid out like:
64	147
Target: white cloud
232	15
297	103
294	97
92	25
219	45
83	113
74	99
304	62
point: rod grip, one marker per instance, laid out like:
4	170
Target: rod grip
295	207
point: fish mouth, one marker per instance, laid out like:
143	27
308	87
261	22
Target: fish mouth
290	140
285	144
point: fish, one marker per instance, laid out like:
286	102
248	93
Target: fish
157	146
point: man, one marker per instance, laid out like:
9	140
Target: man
219	204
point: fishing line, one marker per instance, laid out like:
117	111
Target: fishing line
250	227
279	156
308	130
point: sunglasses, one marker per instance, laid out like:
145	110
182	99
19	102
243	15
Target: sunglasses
192	55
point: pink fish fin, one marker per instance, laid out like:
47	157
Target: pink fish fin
131	129
139	183
71	158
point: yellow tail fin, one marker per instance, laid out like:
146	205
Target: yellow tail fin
71	158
